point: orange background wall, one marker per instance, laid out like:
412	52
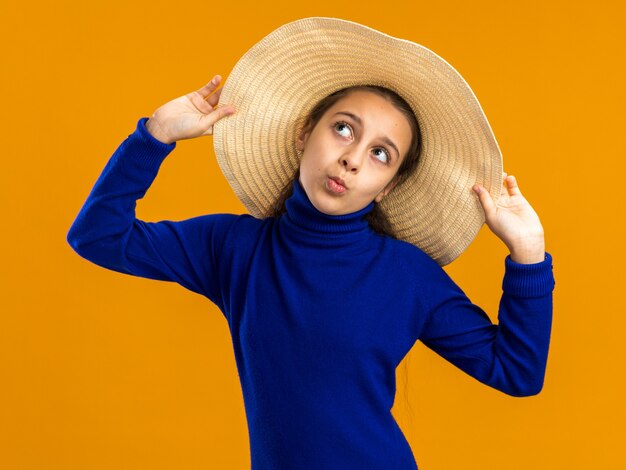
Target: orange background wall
99	370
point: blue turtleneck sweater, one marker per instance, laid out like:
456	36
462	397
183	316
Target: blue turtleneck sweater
321	311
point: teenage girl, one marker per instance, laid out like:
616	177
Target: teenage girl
322	301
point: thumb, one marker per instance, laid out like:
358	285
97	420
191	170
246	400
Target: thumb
219	113
485	199
209	119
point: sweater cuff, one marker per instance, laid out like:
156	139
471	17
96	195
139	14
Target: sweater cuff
528	280
145	149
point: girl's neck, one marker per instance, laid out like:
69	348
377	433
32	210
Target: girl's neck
304	220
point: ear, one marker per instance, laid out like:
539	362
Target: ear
302	138
379	197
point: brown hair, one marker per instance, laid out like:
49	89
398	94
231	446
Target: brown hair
376	218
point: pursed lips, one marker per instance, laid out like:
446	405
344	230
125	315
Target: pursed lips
339	181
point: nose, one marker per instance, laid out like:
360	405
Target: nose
351	160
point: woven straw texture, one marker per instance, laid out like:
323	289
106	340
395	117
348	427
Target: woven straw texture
279	80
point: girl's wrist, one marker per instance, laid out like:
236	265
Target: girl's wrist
530	258
155	131
529	250
534	253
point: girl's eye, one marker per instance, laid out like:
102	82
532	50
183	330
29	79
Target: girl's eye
339	125
384	155
344	130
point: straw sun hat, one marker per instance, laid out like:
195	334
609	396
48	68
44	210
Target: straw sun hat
280	79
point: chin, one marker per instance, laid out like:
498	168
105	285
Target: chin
327	209
324	202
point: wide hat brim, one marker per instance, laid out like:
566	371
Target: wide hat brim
279	80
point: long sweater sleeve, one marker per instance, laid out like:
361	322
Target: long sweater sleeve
107	232
510	356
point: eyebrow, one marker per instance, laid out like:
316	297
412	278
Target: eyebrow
358	120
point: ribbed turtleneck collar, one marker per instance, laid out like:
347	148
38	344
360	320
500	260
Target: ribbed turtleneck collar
311	224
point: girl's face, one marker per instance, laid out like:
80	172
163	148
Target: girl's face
353	153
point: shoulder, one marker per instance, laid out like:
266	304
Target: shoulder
415	264
240	221
241	234
409	254
238	226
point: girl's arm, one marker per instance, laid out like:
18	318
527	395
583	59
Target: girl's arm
106	231
512	355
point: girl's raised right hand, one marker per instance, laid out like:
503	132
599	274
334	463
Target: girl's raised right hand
189	116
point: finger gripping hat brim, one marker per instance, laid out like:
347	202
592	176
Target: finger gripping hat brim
279	80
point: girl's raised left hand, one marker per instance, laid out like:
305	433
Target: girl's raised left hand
514	221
